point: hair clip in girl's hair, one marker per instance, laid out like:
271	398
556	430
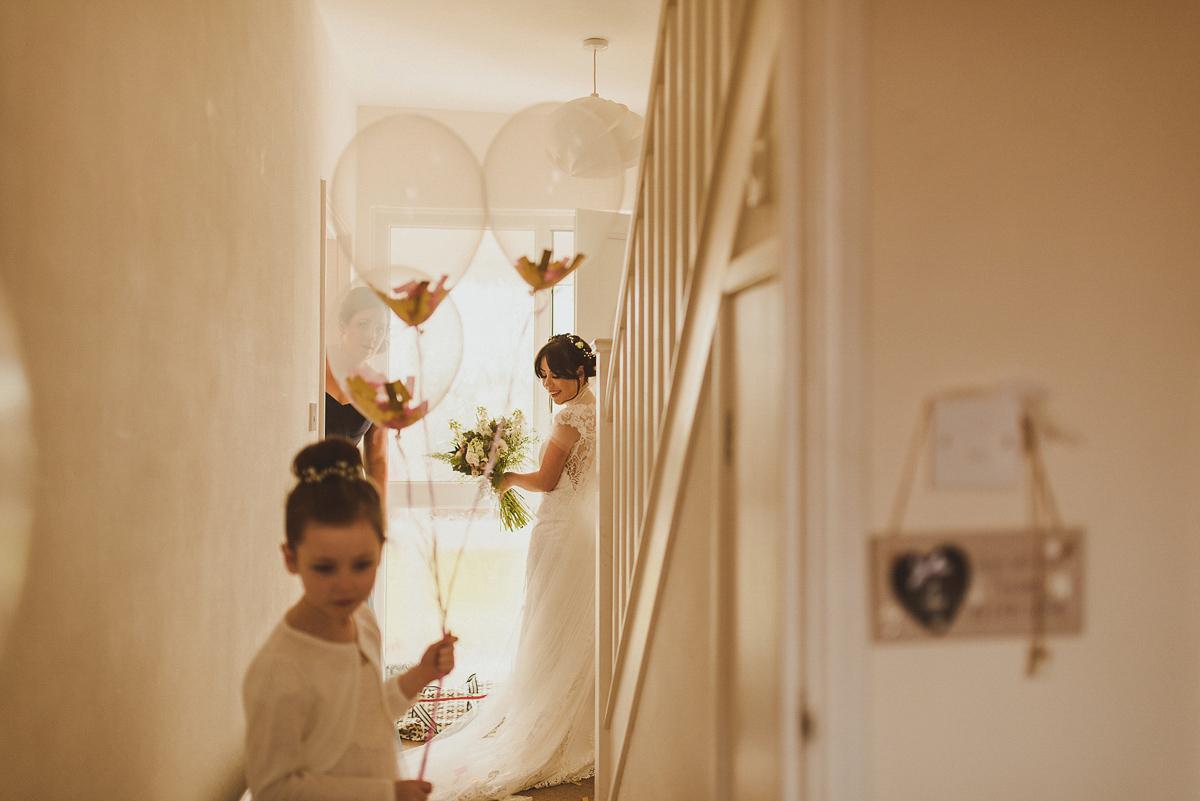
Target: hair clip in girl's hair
340	469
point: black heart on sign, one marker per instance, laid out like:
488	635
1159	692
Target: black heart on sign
931	586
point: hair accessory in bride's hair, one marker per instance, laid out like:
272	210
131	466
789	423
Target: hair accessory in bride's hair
340	469
578	342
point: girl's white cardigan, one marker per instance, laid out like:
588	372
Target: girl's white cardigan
300	696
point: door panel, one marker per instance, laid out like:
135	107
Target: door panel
752	358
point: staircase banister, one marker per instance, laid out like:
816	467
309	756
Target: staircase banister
750	82
655	95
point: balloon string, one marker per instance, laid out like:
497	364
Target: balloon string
472	516
493	454
431	561
431	732
443	600
430	554
485	484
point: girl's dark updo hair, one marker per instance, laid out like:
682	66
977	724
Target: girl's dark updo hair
331	490
564	355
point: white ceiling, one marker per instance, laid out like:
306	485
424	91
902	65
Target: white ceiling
491	55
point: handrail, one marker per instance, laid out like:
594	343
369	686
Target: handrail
663	336
701	319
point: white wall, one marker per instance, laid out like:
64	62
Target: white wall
1034	198
339	109
158	239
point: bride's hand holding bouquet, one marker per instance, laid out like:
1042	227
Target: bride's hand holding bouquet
492	448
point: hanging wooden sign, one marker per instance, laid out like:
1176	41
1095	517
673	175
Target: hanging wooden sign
927	585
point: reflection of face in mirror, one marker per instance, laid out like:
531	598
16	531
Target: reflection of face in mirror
363	326
364	333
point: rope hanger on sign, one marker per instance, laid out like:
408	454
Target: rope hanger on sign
1042	507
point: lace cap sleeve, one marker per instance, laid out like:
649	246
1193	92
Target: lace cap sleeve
564	436
575	432
581	417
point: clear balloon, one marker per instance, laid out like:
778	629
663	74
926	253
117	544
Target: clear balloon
529	180
408	190
394	341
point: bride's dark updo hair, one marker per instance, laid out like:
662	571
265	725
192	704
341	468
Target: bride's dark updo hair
564	355
331	489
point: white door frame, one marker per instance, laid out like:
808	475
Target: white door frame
820	111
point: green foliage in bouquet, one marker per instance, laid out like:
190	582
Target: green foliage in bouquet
504	441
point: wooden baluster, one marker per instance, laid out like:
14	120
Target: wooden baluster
666	266
637	411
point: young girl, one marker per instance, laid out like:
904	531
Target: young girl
319	716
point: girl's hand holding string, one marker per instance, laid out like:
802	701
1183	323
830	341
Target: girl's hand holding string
436	662
410	790
439	657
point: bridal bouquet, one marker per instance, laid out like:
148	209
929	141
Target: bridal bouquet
504	443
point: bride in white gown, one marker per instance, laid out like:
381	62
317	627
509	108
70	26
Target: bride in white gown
537	729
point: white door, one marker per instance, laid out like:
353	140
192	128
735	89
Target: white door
752	577
600	236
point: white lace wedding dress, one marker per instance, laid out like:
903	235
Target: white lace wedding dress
537	729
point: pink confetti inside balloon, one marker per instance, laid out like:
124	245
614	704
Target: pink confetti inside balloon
393	370
527	181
